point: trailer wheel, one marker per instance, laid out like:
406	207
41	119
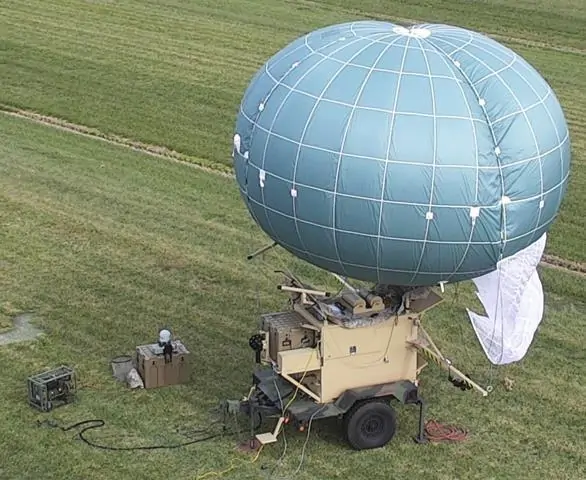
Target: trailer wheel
371	424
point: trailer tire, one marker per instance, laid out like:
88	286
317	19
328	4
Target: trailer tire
370	424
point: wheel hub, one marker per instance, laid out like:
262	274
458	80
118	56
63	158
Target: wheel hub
373	426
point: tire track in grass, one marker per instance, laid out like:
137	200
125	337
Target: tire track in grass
550	261
152	150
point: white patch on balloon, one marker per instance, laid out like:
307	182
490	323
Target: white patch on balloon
414	32
237	146
261	178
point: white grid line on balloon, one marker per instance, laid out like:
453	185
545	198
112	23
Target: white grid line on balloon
344	137
529	123
379	69
269	133
476	212
278	60
415	204
530	107
400	162
292	89
385	237
474	273
429	214
557	133
370	267
383	186
310	116
481	102
516	98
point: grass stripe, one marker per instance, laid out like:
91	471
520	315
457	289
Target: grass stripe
551	261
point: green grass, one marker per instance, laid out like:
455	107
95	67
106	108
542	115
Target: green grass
172	72
5	322
106	246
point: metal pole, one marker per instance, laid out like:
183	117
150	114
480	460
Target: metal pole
261	251
345	283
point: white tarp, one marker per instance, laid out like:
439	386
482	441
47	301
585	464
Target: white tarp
512	297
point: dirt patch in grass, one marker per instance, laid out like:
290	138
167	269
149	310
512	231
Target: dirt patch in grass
557	262
20	330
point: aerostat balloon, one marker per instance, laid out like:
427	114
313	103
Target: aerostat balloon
407	156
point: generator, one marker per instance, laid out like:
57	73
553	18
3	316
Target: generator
52	389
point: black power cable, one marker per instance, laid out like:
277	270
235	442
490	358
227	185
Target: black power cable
96	423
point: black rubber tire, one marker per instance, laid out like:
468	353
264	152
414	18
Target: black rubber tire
370	424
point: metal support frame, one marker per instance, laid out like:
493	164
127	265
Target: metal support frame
446	365
434	354
301	387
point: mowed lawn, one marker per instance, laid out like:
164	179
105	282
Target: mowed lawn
106	246
172	72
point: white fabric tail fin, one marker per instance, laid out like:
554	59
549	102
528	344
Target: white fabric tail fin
513	299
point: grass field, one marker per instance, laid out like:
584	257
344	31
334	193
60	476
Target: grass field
5	322
106	245
171	72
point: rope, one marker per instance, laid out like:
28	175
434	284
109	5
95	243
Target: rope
442	433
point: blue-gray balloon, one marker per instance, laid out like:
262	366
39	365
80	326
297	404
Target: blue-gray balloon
408	156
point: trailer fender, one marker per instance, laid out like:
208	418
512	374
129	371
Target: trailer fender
404	391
